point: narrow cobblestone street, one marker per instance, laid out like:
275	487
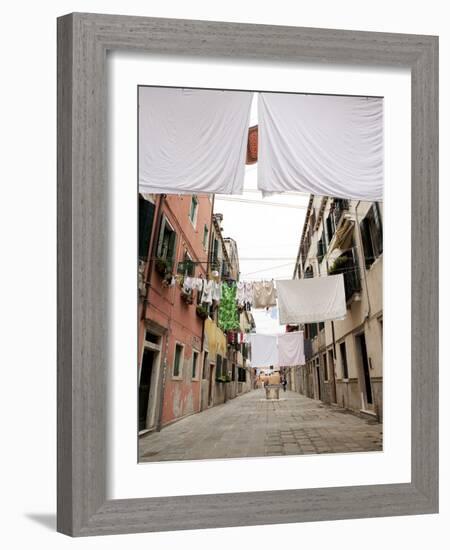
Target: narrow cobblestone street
252	426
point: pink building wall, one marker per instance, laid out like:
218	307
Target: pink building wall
165	308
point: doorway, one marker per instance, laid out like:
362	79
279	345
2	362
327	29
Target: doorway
145	382
319	388
367	386
212	370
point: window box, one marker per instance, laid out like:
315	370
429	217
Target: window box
163	266
347	265
202	312
223	379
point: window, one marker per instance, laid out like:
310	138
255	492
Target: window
205	237
146	217
321	326
166	241
344	360
242	375
330	228
233	372
215	255
372	235
218	366
178	361
150	337
187	266
205	366
224	366
309	274
194	364
312	330
321	248
193	210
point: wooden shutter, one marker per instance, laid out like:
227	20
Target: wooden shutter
171	247
367	242
377	230
146	218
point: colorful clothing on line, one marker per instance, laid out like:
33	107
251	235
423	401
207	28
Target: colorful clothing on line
228	312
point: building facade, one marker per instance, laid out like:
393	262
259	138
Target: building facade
186	362
170	330
225	374
344	359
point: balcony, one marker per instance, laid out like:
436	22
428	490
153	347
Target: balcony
347	264
340	207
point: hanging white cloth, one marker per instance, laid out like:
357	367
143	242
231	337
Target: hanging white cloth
216	291
264	294
264	350
321	144
311	300
240	293
207	294
192	141
291	349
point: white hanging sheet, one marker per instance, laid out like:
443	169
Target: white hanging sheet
311	300
291	349
264	350
192	141
320	144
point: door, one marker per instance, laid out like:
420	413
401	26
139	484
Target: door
212	373
145	386
367	386
319	388
332	375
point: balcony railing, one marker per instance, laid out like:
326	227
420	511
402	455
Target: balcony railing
347	264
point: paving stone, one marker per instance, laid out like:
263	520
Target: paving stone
251	426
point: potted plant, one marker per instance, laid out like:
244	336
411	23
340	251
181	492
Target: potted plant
338	264
224	379
162	266
202	311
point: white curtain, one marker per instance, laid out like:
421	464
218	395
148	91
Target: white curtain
291	349
321	144
311	300
192	141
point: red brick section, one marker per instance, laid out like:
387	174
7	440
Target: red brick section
252	145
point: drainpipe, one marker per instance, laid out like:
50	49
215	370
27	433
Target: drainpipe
367	315
332	327
208	253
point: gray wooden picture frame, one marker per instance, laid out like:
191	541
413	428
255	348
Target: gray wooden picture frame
83	41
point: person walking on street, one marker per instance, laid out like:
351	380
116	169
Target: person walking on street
284	383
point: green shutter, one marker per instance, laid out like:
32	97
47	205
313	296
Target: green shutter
146	218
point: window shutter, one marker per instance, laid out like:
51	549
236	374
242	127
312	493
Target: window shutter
161	237
146	217
367	242
378	230
171	247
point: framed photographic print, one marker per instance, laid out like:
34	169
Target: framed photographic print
247	274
